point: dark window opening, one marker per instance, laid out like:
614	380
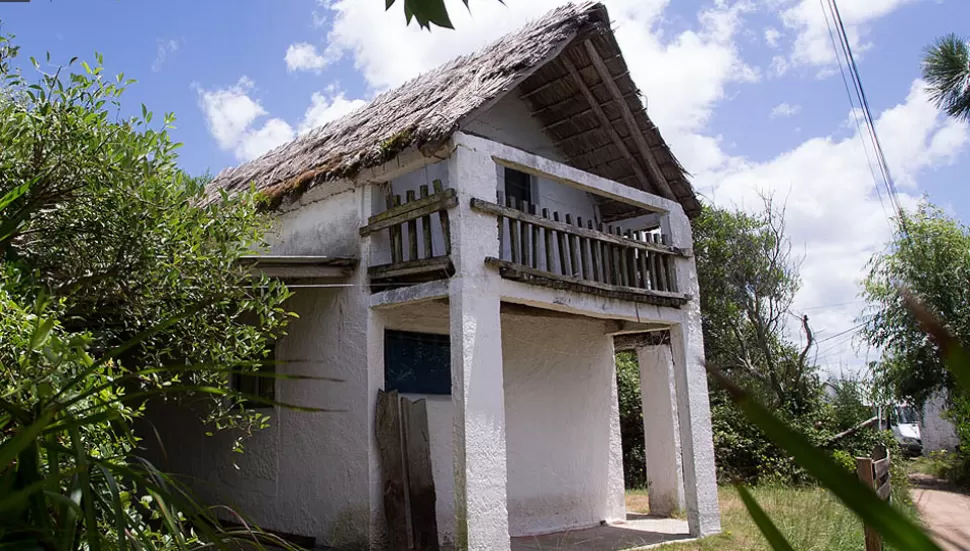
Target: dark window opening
262	387
417	363
518	187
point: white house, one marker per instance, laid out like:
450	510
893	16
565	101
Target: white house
483	238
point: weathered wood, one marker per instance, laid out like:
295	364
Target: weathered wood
412	231
426	226
547	233
501	224
594	254
881	468
631	262
561	241
517	272
513	230
606	124
535	239
622	257
659	180
397	254
439	265
669	265
644	269
583	251
443	217
525	229
633	341
400	213
392	469
602	235
421	491
573	249
884	491
661	270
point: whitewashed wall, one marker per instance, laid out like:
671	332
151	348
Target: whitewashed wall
936	432
308	474
559	385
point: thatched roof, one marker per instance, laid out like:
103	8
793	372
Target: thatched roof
549	63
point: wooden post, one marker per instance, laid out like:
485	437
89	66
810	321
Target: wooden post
562	248
548	235
501	228
874	473
396	237
526	230
443	215
512	203
571	245
594	255
621	251
535	241
412	231
392	469
426	227
584	251
421	492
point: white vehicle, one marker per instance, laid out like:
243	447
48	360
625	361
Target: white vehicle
902	420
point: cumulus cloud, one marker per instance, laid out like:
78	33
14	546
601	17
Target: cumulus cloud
325	108
813	45
303	56
232	113
834	215
785	110
163	51
772	35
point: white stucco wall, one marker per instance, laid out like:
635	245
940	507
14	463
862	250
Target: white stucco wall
308	474
559	380
936	432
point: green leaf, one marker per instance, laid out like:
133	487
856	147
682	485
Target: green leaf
23	439
41	333
895	528
430	12
16	193
763	521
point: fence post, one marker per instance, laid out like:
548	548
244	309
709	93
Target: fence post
874	473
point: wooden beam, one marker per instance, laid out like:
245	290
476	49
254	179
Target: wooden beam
437	266
605	123
632	341
410	211
660	181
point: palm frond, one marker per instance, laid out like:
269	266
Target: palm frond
946	70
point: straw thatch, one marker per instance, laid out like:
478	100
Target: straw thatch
535	62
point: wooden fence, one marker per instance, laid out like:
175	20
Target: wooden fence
412	220
543	244
874	473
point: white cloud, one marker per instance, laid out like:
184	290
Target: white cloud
231	115
785	110
304	57
833	213
813	45
324	109
779	66
164	50
772	35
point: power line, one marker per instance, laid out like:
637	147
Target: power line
853	70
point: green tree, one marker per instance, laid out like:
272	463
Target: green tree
119	282
946	70
931	259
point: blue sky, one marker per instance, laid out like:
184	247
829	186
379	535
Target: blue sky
746	91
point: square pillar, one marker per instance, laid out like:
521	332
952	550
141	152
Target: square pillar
696	437
477	381
661	430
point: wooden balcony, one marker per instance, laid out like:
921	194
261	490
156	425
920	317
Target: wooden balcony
578	255
414	222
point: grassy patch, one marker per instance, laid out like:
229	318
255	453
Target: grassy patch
949	466
810	518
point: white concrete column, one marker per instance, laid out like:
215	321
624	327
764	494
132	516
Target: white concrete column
478	394
693	404
615	491
661	430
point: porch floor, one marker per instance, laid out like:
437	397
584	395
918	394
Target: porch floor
638	532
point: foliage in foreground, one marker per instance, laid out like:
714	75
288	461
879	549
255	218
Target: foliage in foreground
946	70
118	283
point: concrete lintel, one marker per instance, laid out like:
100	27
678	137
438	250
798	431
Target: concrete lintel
421	292
586	305
623	327
552	170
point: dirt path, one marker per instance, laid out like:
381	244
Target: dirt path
946	514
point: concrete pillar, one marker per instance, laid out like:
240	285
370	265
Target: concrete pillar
693	405
661	430
615	491
478	394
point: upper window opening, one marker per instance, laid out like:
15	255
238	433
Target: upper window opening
518	187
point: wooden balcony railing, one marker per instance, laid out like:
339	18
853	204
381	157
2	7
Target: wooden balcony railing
413	221
566	254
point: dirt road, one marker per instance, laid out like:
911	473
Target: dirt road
946	515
